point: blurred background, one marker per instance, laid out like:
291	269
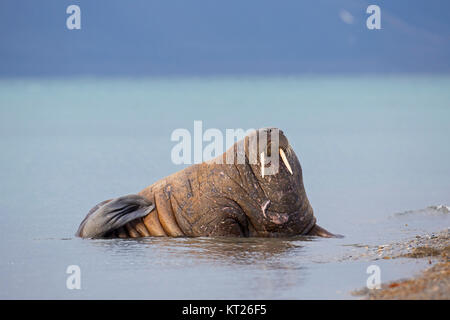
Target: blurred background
87	115
202	37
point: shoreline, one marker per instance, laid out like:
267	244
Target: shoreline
433	283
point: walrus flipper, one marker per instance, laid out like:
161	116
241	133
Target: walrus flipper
110	215
321	232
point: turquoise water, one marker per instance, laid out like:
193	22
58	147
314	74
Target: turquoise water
370	147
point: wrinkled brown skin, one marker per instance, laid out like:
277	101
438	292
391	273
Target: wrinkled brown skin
211	199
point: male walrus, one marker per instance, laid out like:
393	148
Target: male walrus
216	198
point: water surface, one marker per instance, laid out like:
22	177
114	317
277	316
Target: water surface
370	148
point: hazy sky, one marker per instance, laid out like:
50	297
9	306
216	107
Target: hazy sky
140	37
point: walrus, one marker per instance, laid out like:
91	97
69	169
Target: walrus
216	198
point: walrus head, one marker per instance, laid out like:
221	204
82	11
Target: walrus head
280	206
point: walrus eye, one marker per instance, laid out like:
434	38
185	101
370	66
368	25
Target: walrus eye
285	160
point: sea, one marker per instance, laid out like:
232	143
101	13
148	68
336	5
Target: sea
374	150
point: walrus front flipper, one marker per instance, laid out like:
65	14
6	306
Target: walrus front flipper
112	214
321	232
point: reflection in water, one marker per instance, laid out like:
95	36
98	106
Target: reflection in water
215	268
226	251
263	265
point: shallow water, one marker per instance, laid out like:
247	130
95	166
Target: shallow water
374	152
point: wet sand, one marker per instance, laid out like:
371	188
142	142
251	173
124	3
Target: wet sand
432	283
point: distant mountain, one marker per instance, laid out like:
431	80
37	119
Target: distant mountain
196	37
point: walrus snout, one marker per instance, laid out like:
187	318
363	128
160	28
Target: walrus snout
274	217
279	218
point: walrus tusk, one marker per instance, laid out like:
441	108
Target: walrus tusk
286	163
264	207
262	164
